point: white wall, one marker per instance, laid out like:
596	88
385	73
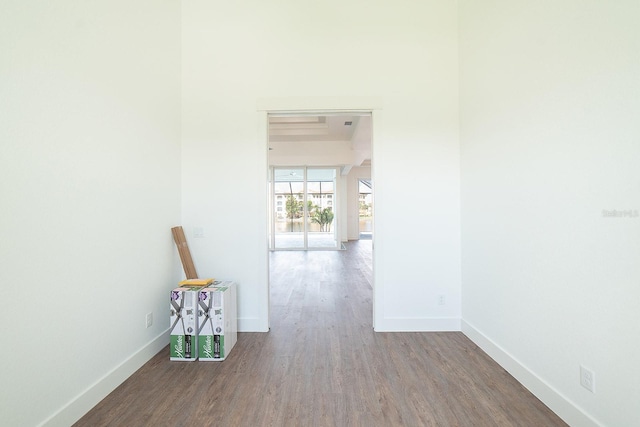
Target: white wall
550	100
239	58
316	153
89	188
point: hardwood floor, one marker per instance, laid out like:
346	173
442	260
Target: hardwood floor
323	365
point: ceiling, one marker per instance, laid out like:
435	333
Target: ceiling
341	139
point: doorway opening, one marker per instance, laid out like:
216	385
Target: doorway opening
317	162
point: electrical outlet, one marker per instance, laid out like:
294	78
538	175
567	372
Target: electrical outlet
149	320
441	300
587	379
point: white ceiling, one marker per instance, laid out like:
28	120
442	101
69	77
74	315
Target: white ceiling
322	140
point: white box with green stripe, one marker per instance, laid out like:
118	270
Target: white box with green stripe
217	320
184	324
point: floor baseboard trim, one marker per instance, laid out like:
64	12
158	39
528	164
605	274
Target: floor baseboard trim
395	324
81	404
558	403
252	324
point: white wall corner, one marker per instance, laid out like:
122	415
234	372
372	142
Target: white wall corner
558	403
85	401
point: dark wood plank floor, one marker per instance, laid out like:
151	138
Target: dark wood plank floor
323	365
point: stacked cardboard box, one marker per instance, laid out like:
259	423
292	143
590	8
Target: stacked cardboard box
184	324
217	320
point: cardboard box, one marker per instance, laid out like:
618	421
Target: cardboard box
184	324
217	319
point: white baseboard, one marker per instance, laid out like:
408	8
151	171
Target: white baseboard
82	403
558	403
395	324
252	324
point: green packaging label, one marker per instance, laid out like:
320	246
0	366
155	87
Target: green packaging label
210	347
181	347
206	347
177	346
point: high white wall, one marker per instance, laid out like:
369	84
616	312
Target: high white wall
243	59
550	137
89	188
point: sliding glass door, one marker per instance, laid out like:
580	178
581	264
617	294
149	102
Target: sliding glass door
303	212
288	201
321	213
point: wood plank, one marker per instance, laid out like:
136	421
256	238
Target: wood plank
185	254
